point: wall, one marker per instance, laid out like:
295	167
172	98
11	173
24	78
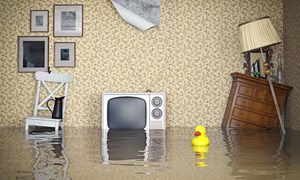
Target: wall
291	71
190	57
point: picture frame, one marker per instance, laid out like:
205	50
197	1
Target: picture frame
33	53
253	64
39	20
64	54
256	63
68	20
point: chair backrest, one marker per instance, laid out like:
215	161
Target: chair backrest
45	79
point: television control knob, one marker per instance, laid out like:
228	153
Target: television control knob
156	101
156	113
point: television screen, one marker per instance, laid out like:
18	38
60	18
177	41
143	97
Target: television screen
126	113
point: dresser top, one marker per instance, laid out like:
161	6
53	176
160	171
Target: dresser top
237	75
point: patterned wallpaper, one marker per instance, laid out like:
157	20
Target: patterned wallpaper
190	57
291	71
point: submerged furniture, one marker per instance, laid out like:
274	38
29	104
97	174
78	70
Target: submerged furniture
250	104
59	83
258	34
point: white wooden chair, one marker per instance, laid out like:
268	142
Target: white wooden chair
44	79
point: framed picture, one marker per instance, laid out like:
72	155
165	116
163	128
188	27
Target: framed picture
39	20
33	53
64	54
254	61
68	20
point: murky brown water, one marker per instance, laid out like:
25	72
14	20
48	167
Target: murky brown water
88	153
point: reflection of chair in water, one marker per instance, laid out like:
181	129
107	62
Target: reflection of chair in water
139	144
43	78
51	160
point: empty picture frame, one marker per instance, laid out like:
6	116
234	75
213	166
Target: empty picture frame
39	20
33	53
64	54
68	20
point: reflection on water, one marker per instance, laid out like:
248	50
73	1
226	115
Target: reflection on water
200	155
146	145
257	154
51	161
124	145
90	153
130	147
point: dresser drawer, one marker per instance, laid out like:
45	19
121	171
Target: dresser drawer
254	118
236	124
271	110
269	98
255	106
264	108
264	95
269	122
280	98
260	94
240	101
239	113
246	90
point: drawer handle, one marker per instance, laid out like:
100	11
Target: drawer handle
271	109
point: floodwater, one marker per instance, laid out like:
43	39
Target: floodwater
90	153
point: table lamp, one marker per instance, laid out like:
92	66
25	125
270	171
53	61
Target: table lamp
258	34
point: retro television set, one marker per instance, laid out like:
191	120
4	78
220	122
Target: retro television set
134	110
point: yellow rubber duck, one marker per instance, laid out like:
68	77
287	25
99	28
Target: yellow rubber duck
200	138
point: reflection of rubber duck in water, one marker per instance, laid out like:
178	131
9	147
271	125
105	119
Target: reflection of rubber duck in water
200	138
200	151
200	145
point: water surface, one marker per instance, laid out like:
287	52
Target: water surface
90	153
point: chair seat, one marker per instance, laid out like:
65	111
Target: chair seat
43	118
42	121
39	136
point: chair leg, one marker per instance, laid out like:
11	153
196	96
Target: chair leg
26	126
56	127
56	132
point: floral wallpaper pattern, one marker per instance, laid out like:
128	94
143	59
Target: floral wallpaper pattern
291	55
190	57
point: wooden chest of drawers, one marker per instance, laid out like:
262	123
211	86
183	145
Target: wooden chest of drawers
250	104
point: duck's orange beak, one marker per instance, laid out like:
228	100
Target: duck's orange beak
197	133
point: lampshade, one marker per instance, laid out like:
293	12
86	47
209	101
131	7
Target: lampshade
257	34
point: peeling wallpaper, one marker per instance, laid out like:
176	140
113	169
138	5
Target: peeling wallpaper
190	57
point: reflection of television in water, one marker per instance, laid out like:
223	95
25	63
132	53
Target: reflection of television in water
124	144
133	111
133	144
